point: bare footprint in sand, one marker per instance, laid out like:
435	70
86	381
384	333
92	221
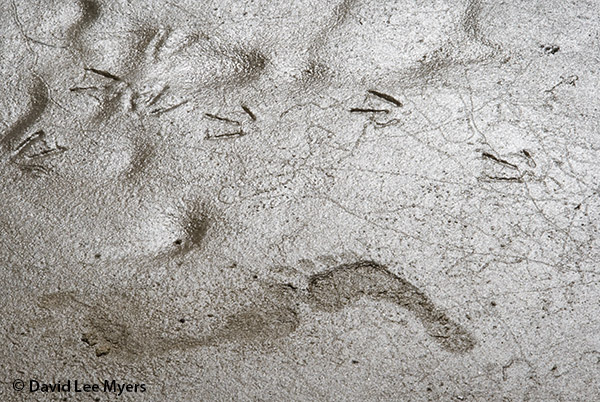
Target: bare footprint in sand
269	320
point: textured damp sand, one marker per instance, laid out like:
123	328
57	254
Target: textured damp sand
251	200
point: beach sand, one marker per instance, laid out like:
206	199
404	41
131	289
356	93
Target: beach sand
255	200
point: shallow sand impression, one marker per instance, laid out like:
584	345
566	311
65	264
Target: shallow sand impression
308	201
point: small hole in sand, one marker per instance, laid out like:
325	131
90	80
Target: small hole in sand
178	242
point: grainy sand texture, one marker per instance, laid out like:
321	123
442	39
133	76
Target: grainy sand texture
313	200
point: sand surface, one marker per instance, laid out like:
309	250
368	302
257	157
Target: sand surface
312	201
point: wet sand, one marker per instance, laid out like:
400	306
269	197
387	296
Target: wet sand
317	201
